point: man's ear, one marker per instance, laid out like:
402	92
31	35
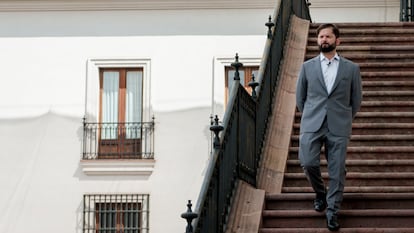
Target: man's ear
337	41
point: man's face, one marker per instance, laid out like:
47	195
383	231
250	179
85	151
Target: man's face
327	40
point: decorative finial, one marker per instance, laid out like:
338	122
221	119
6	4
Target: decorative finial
216	128
189	216
236	64
269	24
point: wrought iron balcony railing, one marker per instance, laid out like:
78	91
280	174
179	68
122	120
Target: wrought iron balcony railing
123	140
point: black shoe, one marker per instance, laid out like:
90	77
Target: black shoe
332	223
319	204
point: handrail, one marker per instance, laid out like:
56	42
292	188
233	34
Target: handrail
244	128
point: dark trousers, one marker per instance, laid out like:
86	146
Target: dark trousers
310	145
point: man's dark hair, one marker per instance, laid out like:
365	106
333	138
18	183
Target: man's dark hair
335	29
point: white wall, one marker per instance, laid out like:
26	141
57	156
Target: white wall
181	45
42	183
44	58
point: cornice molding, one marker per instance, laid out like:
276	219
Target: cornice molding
110	5
354	3
106	5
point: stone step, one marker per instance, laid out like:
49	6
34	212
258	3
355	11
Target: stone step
390	83
367	49
365	137
387	106
368	154
376	128
359	165
376	117
377	125
387	75
386	66
362	32
356	189
351	201
380	218
351	37
384	85
357	57
384	117
365	179
368	31
403	94
402	128
376	65
369	40
375	131
342	230
371	25
371	140
388	95
382	140
367	149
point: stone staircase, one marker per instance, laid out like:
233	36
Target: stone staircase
379	191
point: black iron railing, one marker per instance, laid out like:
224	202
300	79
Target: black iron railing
239	146
131	140
407	10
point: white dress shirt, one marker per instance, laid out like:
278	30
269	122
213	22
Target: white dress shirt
329	70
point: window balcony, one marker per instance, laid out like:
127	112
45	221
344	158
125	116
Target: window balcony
130	140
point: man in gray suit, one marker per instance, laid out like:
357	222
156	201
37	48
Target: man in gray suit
329	94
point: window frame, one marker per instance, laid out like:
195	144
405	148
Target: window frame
99	208
92	94
122	102
121	146
120	214
142	168
248	70
219	92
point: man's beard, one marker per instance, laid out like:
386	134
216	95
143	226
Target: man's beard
328	48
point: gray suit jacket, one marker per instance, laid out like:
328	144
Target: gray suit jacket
339	107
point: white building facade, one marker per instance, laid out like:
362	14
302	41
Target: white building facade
168	59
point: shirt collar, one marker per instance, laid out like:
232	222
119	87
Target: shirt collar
322	57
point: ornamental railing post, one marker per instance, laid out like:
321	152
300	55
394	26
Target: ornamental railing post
253	84
236	64
270	25
216	128
189	216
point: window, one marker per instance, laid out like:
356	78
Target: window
116	213
245	73
221	78
118	123
120	112
118	126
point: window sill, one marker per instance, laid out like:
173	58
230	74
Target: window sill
140	167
